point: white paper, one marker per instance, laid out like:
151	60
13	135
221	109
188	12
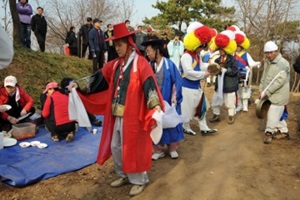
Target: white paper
156	132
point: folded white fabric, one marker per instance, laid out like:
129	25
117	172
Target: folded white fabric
77	110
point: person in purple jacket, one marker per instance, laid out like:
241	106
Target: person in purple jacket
25	11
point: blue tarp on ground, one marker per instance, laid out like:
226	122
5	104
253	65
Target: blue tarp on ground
23	166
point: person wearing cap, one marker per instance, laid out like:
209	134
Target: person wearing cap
245	64
275	86
125	91
194	104
83	35
150	35
56	114
227	83
98	45
170	83
176	50
21	102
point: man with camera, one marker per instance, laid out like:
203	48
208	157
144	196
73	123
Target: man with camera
176	50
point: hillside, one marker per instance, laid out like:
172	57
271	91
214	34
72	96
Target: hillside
34	69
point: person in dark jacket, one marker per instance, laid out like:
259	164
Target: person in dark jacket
228	79
71	40
39	27
98	45
111	50
84	38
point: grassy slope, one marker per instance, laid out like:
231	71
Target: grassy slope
34	69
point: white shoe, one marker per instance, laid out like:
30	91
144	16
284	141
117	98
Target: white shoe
189	131
173	154
156	156
136	189
119	182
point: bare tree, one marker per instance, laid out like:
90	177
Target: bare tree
7	20
263	20
16	22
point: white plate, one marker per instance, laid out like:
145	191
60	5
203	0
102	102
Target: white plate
42	145
8	107
35	143
7	142
24	144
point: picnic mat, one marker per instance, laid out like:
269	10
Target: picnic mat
23	166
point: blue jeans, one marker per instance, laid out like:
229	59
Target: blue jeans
25	35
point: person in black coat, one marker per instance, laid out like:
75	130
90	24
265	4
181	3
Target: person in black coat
39	27
111	50
71	40
84	37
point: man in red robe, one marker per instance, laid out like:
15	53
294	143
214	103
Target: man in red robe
125	91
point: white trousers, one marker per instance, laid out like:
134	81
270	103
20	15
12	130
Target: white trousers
116	149
191	98
273	121
244	94
229	101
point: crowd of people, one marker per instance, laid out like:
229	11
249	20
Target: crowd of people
141	75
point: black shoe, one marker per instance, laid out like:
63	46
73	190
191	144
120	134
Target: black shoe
97	122
209	132
215	119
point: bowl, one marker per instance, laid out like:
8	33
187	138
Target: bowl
35	143
42	145
24	144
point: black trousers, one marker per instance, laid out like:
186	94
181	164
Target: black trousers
98	61
84	48
61	130
41	39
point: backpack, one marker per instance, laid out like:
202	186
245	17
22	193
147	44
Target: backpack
296	65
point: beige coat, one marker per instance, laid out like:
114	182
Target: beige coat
278	92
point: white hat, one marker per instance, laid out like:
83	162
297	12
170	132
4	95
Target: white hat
270	46
10	81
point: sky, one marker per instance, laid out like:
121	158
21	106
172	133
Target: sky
144	9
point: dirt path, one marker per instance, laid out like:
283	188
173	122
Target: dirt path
234	164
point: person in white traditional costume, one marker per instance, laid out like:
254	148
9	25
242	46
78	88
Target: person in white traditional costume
176	49
227	81
194	102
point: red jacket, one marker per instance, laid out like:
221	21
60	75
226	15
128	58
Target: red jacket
25	100
57	107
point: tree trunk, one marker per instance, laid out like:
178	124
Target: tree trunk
16	22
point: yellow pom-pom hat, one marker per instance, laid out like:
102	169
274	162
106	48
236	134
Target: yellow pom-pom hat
197	35
242	40
226	41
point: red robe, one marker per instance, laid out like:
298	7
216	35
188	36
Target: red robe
137	144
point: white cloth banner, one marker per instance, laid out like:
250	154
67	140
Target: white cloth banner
171	118
167	119
77	110
218	96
